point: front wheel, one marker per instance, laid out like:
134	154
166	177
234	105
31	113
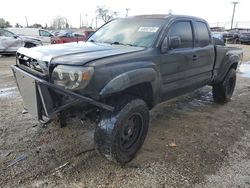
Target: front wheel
120	134
222	92
29	45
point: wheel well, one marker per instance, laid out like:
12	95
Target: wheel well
143	91
29	44
234	66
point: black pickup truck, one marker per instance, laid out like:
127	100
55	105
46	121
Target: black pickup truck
122	71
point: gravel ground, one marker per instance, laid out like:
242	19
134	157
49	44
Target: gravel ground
235	171
192	142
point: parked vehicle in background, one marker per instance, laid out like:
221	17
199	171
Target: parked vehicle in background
232	36
218	35
10	42
55	32
218	38
244	38
67	36
40	34
124	69
88	33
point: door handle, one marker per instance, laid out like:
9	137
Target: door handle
195	58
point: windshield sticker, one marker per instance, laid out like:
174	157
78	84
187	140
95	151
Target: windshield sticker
148	29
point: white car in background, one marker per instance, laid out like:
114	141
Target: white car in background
41	34
10	42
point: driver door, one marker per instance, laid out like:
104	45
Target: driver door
178	64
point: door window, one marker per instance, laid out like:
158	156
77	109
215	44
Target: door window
181	33
44	33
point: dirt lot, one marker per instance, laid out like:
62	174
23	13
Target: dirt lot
212	144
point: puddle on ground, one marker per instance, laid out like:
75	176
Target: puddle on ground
8	92
245	69
198	98
201	97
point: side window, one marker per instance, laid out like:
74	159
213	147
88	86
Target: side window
44	33
202	34
182	31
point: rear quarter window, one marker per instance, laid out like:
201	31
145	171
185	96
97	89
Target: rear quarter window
202	34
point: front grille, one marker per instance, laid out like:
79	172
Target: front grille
32	65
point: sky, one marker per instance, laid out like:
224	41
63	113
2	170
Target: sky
216	12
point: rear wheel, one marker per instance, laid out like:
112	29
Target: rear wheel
222	92
121	133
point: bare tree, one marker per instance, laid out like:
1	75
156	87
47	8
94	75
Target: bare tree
36	25
105	14
18	25
59	22
4	23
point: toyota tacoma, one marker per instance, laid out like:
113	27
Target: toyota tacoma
122	71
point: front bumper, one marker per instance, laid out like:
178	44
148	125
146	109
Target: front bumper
36	94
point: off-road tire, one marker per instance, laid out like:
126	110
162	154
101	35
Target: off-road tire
223	91
127	123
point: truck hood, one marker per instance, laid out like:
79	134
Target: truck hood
76	53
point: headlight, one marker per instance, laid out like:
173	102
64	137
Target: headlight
72	77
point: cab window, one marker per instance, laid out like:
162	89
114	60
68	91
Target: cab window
202	34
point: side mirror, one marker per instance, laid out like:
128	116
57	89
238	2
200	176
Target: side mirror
164	45
174	42
15	36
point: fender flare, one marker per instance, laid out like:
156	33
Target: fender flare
233	59
130	78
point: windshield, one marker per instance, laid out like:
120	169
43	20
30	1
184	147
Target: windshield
6	33
134	32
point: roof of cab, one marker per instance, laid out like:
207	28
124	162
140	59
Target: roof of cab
166	16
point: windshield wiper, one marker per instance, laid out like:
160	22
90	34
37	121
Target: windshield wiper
119	43
113	43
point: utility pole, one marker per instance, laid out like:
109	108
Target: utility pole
26	21
86	20
91	25
234	3
127	10
80	21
